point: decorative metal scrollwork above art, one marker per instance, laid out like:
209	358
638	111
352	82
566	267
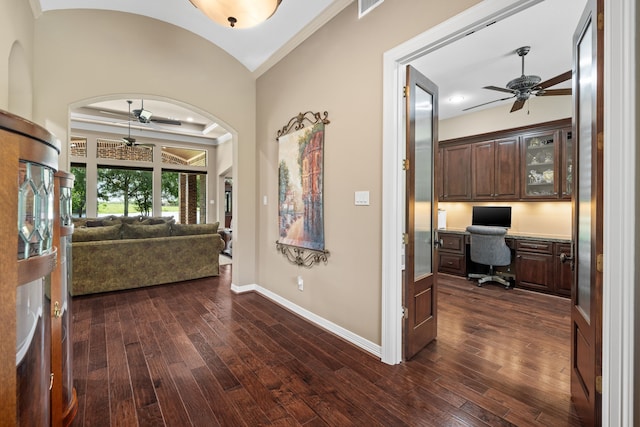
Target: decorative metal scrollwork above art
300	189
297	122
302	256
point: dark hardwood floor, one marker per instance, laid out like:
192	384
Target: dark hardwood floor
194	353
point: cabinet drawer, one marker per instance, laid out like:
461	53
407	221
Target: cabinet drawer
538	246
453	243
451	263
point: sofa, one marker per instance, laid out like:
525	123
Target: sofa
115	253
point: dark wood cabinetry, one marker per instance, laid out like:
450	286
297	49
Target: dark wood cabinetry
566	158
528	163
494	170
456	180
536	262
534	265
563	271
453	257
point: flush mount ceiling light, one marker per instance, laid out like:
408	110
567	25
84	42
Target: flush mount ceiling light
237	13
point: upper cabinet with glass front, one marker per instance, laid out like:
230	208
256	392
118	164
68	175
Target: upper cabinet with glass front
566	187
540	157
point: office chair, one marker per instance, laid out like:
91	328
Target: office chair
489	248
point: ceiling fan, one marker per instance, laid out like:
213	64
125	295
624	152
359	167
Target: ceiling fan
130	141
145	116
524	86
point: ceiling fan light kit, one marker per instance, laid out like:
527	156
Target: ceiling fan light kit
237	13
524	86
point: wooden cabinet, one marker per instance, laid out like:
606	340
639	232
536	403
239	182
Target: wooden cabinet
495	170
453	258
456	179
534	265
540	160
563	271
536	262
566	159
528	163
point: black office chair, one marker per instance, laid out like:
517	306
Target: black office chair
489	248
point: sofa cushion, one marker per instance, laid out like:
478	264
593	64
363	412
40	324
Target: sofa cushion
128	219
156	220
95	223
140	231
109	221
90	234
191	229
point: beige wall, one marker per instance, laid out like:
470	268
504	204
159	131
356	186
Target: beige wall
16	54
338	69
537	110
80	54
543	219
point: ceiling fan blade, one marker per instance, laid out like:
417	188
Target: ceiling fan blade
167	121
554	81
499	89
552	92
517	105
490	102
146	145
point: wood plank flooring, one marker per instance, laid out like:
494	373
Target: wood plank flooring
195	354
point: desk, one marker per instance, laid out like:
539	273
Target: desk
535	261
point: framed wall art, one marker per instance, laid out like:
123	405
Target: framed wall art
300	189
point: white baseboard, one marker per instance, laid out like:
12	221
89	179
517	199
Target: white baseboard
343	333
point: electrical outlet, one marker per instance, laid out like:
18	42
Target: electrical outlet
300	283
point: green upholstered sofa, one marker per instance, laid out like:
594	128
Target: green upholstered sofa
117	256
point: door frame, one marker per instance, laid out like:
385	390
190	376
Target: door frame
620	257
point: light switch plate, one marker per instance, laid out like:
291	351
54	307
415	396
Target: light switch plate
362	198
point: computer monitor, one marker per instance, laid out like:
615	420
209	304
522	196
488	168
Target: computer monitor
495	216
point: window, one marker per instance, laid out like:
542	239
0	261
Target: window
79	193
124	192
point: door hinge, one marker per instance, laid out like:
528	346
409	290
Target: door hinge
600	141
405	164
405	91
599	384
600	21
405	238
405	313
599	263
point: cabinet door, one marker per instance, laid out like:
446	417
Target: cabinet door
440	174
534	265
534	271
540	165
456	172
483	170
566	183
563	273
507	169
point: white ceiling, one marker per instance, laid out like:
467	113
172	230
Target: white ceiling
464	67
487	57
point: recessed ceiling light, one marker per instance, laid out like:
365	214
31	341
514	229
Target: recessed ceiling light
189	119
456	99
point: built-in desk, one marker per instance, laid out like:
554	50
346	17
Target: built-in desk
535	261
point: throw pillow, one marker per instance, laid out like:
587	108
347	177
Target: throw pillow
94	223
191	229
110	222
91	234
139	231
